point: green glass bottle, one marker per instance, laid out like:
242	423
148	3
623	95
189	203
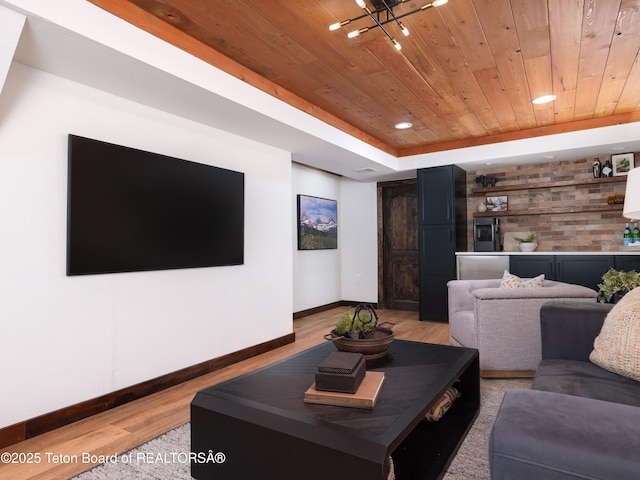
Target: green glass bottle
636	235
626	236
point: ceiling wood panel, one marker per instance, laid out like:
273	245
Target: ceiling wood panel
468	102
490	81
621	61
462	21
532	26
565	20
597	32
466	74
498	23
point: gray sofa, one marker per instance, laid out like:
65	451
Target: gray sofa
578	421
504	323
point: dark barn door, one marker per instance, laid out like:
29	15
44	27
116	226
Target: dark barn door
399	246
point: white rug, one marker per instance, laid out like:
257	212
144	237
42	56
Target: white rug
472	460
167	457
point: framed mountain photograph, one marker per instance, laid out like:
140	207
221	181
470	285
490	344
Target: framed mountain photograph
317	223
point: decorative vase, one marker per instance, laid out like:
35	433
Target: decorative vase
482	207
527	246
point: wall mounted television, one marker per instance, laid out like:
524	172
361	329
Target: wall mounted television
130	210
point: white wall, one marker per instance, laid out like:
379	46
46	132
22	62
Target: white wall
69	339
359	247
316	273
321	277
11	24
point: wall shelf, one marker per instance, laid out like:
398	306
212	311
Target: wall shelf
551	211
481	191
549	198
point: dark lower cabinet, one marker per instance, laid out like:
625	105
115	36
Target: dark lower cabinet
529	266
584	270
627	263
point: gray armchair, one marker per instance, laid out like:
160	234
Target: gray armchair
504	323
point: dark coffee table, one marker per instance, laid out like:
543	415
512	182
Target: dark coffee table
264	429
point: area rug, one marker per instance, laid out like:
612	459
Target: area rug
166	457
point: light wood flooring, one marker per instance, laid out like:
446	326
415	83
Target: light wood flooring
125	427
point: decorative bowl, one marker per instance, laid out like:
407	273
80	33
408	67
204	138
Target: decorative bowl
527	246
371	347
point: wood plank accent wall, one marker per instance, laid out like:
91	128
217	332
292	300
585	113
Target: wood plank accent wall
563	229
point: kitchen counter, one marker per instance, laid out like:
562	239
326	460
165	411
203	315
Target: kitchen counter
626	251
581	268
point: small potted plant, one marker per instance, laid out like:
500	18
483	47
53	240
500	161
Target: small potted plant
528	243
343	325
358	331
615	283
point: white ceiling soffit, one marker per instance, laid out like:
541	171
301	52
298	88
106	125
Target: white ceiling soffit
11	24
89	46
200	93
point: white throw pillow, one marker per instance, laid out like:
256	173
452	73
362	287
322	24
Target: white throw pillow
510	280
617	347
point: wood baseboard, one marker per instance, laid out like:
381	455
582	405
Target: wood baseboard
64	416
328	306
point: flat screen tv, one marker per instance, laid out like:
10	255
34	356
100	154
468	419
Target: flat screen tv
131	210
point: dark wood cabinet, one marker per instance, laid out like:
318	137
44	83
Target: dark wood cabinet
584	270
627	262
436	264
436	196
529	266
442	230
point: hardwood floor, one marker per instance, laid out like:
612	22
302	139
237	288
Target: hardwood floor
62	453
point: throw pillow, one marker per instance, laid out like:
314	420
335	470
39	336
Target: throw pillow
509	280
617	347
442	405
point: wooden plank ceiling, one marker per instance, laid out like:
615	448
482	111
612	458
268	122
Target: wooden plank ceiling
465	76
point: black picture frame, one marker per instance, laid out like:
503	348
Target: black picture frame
622	163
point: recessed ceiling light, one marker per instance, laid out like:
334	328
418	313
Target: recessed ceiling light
619	149
403	125
549	157
543	99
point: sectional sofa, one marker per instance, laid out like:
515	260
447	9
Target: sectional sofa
579	420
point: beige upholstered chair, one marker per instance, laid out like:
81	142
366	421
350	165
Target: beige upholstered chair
504	323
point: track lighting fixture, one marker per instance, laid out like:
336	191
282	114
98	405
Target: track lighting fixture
382	15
